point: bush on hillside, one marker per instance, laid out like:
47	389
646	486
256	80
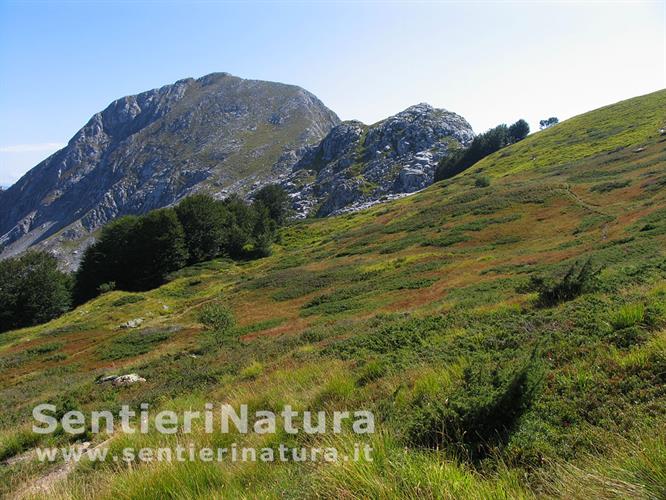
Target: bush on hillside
482	181
577	280
217	317
477	416
32	290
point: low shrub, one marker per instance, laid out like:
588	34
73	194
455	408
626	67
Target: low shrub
217	317
655	314
482	181
45	348
476	416
628	336
133	344
609	186
576	281
106	287
445	241
127	299
312	336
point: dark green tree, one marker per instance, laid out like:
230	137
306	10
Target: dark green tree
548	122
264	231
205	222
494	140
482	145
108	260
276	200
158	248
240	226
518	131
32	290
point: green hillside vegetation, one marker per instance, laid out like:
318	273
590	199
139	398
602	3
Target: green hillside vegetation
509	336
611	128
135	253
483	145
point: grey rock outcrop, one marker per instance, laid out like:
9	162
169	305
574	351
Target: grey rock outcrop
217	134
357	164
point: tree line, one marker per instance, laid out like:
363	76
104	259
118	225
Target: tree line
483	145
135	253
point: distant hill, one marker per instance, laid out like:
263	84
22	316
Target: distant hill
219	134
222	134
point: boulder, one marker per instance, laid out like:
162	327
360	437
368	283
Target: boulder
133	323
129	379
121	380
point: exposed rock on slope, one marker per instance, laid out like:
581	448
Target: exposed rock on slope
218	133
357	164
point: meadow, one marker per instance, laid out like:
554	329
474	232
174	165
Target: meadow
448	313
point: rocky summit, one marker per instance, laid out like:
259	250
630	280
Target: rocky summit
217	134
356	165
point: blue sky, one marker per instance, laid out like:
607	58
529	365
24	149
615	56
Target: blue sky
492	62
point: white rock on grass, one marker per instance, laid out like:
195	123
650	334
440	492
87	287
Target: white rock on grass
129	379
133	323
121	380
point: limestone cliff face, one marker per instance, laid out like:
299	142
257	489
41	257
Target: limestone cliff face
219	134
356	165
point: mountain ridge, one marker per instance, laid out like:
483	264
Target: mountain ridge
218	133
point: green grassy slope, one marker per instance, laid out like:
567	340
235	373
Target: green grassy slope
401	309
603	130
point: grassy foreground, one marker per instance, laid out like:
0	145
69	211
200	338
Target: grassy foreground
418	310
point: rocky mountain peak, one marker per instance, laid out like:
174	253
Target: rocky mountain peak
218	134
355	164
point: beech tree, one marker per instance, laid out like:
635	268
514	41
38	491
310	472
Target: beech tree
482	145
276	200
158	249
204	221
518	131
32	290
